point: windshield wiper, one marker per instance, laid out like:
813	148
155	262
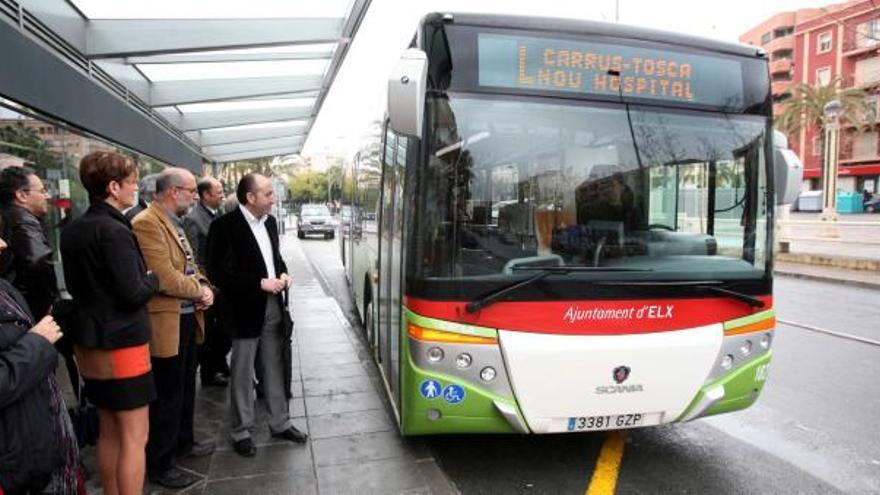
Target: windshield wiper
739	296
707	285
543	272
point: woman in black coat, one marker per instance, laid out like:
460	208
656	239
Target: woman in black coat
108	279
32	411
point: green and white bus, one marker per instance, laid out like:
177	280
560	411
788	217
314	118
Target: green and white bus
567	226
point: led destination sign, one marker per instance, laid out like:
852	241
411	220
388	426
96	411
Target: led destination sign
608	69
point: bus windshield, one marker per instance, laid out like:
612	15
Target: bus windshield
657	193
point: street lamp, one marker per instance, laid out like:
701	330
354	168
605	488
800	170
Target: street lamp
832	111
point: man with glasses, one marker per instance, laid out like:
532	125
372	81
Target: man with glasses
177	320
212	354
28	263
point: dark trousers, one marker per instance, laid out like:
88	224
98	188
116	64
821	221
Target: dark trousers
34	486
212	353
171	414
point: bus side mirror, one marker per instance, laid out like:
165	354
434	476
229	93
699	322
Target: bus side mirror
406	93
788	171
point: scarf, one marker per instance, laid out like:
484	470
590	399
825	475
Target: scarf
67	479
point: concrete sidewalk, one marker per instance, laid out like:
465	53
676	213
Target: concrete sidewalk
859	278
354	445
852	258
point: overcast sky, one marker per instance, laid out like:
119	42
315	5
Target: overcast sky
358	94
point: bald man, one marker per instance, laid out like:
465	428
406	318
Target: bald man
177	321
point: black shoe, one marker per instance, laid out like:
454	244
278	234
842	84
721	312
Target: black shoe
197	449
215	380
245	448
292	434
174	478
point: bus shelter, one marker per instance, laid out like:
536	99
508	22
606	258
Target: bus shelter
186	83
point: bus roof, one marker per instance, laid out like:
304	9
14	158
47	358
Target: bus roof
573	26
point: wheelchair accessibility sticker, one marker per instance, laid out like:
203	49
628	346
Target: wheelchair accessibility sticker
430	389
453	394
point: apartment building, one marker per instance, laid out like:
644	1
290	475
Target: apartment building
814	46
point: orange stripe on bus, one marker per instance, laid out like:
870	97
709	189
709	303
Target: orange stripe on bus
431	335
767	324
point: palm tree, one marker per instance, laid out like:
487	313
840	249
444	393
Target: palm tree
805	108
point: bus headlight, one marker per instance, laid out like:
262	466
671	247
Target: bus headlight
727	362
765	341
488	374
463	360
746	348
435	354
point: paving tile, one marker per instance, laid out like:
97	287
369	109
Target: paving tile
296	388
330	359
298	483
333	386
297	407
320	327
310	343
273	458
316	319
311	347
340	403
435	477
365	447
350	423
320	336
333	371
378	477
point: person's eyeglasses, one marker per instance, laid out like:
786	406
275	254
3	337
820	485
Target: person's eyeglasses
41	190
190	190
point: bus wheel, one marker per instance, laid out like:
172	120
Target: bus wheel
368	323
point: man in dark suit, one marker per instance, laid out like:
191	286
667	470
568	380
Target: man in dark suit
244	262
211	354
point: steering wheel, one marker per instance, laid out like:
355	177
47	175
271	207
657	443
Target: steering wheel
660	226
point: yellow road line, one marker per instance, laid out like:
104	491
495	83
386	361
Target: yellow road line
604	479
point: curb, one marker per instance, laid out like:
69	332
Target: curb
831	261
438	481
822	278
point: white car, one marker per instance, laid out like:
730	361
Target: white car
315	219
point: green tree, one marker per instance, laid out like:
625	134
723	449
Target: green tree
805	108
25	142
309	187
333	175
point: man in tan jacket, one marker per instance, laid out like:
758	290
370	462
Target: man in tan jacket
176	318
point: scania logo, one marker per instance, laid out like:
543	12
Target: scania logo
620	374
